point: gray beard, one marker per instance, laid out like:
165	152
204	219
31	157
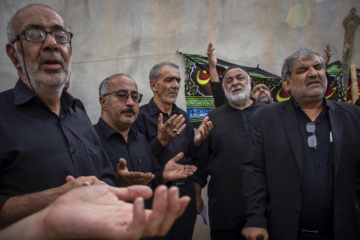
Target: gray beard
41	81
238	99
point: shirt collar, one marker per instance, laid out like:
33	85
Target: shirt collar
325	103
23	94
109	131
248	107
153	108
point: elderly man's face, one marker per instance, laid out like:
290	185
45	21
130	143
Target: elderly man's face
118	112
308	80
166	87
47	62
261	93
236	84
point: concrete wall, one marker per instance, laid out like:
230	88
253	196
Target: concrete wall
131	36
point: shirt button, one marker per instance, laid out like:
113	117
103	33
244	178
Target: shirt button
320	165
301	188
73	152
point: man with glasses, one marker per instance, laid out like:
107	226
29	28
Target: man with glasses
301	177
127	149
48	144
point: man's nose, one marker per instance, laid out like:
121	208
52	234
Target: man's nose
50	42
313	72
175	84
129	101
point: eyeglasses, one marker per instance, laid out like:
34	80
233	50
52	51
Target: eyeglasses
122	96
35	35
312	140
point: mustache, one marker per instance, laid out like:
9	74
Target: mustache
128	110
238	87
173	91
317	79
52	57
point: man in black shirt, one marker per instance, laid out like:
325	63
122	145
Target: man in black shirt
222	154
169	138
46	138
48	143
127	149
301	177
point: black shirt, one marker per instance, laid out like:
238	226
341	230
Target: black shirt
136	151
147	124
221	157
317	169
39	149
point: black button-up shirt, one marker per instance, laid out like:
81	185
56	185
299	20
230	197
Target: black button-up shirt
147	124
318	169
136	151
38	149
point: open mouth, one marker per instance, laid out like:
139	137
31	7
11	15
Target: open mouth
236	90
51	64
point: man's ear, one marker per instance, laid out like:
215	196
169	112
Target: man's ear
102	101
286	85
153	85
11	52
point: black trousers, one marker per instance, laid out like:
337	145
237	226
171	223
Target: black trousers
183	227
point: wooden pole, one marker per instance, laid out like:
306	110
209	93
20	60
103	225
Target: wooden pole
350	23
354	84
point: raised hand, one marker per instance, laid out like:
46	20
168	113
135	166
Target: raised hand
327	56
126	178
169	130
174	171
211	55
203	131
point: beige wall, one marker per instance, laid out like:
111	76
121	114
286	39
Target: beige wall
131	36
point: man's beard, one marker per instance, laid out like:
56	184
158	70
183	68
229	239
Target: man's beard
266	99
41	80
169	100
239	99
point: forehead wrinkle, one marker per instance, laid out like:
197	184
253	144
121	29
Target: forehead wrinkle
37	15
41	27
122	81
